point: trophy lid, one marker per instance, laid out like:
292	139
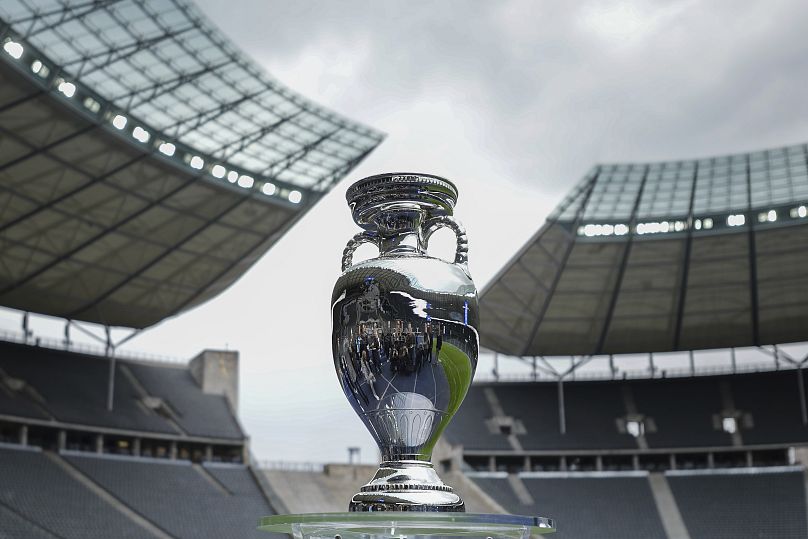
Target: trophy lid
435	195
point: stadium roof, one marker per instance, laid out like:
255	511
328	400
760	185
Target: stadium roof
145	163
682	255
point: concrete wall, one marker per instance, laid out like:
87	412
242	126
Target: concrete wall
216	372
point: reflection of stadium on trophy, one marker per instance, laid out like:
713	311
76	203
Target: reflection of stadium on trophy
389	349
386	350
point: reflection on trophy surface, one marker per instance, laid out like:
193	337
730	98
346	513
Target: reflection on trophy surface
404	335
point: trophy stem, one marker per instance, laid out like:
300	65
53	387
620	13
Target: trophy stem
406	486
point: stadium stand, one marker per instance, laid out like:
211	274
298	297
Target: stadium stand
184	499
16	526
46	499
586	425
197	414
615	506
166	461
744	503
713	504
695	422
774	420
688	423
476	407
72	388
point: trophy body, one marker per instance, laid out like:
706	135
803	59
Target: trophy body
404	335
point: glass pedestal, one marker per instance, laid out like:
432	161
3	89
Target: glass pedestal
402	525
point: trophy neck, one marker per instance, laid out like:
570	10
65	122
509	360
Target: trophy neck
399	228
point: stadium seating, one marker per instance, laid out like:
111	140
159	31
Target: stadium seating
775	420
535	405
687	423
590	425
18	403
746	503
197	413
467	426
15	526
47	494
680	413
44	500
183	499
584	506
73	389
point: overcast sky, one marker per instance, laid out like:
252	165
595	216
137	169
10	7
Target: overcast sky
514	101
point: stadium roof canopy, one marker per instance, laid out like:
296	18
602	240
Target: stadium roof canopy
145	163
682	255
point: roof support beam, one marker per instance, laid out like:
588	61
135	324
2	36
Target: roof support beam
122	52
202	289
279	166
202	117
92	239
563	263
237	146
164	86
753	281
680	304
173	248
330	179
44	149
66	13
632	225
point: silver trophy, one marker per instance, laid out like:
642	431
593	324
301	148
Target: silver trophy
404	336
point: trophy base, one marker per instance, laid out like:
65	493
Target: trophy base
406	486
406	525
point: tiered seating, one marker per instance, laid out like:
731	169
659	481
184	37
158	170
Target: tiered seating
776	420
198	414
74	390
727	506
585	506
16	526
598	506
468	425
500	490
178	498
682	409
536	406
235	478
47	502
592	411
73	387
537	410
18	403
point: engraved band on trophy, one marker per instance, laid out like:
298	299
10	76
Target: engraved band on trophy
404	338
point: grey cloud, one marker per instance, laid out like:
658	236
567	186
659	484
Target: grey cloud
552	95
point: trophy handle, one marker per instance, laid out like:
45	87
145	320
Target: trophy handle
353	245
462	252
